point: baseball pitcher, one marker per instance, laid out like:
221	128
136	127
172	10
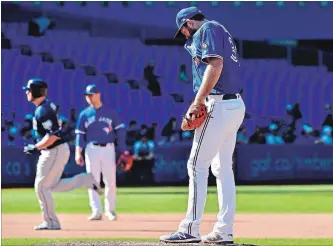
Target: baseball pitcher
216	115
97	129
54	155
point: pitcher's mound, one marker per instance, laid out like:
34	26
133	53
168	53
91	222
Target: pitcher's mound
140	244
137	226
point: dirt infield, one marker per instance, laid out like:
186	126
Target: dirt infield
119	243
154	225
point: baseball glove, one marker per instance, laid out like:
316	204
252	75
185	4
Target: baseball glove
125	161
195	115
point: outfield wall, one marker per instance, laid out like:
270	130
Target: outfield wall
253	164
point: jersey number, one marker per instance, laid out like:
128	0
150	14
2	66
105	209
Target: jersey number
233	56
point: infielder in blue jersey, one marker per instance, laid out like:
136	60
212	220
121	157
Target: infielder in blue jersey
217	84
54	155
97	129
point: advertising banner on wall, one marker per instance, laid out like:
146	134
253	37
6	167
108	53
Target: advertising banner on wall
286	162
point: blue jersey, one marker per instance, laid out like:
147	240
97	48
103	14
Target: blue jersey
213	40
45	121
99	126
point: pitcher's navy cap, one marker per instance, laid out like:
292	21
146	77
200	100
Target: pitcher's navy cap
91	89
184	15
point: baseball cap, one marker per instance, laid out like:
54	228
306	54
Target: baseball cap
184	15
91	89
35	82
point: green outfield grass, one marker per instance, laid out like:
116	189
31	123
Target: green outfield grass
266	242
250	199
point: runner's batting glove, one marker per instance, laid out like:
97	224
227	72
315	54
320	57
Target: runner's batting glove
29	149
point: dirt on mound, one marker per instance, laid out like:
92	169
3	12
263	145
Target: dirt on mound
154	225
118	243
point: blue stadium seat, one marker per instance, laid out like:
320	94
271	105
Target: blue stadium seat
269	83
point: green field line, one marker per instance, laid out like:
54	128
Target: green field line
254	188
250	199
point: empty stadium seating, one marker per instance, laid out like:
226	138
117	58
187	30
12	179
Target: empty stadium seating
268	84
230	13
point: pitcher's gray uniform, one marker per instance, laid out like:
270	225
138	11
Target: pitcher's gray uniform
53	158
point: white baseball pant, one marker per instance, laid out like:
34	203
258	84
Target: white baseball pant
213	145
50	166
102	160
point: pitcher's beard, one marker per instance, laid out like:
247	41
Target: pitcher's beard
192	31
